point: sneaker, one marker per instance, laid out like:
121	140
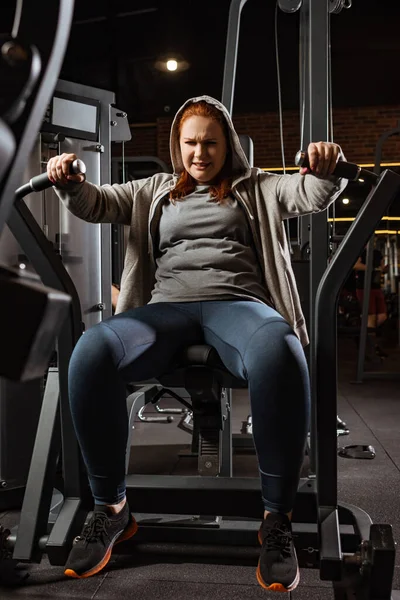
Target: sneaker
278	570
92	549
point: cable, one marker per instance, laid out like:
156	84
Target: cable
330	113
302	71
278	75
302	99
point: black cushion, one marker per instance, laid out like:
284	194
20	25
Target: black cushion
206	356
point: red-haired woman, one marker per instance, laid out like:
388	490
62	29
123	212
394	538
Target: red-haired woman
207	262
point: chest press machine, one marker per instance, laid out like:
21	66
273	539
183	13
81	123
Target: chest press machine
336	538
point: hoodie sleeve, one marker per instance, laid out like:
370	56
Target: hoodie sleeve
305	194
101	204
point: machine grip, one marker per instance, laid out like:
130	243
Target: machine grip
343	169
42	182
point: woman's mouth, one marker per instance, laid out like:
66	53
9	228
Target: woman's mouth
201	166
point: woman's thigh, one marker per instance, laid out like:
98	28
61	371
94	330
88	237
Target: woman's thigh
237	328
141	343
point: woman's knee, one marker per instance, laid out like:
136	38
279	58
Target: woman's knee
274	349
97	346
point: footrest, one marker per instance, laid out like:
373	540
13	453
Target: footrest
357	451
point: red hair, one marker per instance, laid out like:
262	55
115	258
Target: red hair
186	184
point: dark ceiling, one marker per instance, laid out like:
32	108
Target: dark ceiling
115	43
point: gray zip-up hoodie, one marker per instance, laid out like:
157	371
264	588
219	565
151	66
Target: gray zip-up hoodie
266	198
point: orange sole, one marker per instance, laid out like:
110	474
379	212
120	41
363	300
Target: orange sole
125	536
275	587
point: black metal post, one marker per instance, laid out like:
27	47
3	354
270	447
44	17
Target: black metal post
52	272
39	487
304	223
315	36
232	42
379	199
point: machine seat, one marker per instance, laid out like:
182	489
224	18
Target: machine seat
201	355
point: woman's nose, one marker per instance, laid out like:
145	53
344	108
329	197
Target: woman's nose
199	151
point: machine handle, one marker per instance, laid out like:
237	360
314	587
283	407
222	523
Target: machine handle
343	168
42	182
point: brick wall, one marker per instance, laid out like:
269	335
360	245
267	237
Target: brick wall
357	130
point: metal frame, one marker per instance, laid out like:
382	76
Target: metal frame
386	190
52	272
106	99
51	52
361	373
316	514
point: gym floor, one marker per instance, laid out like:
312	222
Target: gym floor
372	412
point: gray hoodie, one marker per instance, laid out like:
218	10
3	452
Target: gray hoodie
266	198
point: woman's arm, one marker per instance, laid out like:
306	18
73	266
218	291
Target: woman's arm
312	190
90	202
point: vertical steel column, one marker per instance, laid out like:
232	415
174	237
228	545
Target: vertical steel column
304	223
318	111
232	42
369	262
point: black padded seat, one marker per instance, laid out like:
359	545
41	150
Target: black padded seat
201	356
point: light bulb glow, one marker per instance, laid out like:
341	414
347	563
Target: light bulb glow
172	65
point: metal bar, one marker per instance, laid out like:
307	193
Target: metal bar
365	310
39	488
195	495
50	37
330	551
226	458
304	223
70	520
368	217
232	42
51	270
134	402
319	130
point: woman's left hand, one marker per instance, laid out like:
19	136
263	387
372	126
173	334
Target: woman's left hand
323	157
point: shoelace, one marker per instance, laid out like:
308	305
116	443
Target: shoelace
278	539
95	529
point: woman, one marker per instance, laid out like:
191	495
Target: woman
207	262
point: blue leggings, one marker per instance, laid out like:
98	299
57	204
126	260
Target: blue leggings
254	342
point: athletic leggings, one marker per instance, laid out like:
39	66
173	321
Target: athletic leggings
254	342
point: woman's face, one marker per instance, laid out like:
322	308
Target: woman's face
203	147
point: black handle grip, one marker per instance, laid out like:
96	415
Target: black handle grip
42	182
343	169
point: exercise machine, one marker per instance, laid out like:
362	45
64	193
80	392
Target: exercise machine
82	120
336	538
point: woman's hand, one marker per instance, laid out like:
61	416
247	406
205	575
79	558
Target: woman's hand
323	157
58	170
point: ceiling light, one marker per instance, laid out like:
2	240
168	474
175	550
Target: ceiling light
172	64
345	201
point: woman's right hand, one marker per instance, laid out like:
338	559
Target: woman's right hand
58	170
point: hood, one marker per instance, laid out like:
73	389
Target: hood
241	167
